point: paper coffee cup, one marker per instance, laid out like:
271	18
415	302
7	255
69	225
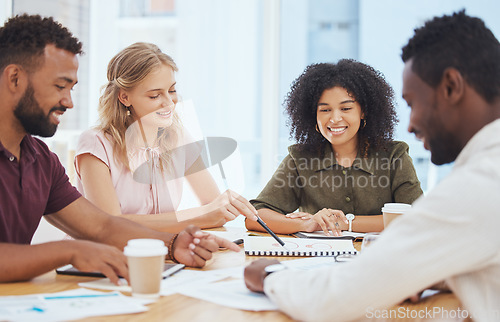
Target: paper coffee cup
145	259
391	211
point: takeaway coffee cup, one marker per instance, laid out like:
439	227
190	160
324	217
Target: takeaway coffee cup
391	211
145	259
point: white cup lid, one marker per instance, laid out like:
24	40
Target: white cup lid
145	247
396	207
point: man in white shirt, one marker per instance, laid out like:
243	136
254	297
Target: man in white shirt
451	82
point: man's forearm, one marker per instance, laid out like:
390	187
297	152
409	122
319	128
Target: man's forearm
23	262
82	220
118	231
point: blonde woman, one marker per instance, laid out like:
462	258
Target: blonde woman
133	163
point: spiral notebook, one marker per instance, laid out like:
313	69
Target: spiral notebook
268	246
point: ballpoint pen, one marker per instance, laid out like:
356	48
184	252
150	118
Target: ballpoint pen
260	221
263	224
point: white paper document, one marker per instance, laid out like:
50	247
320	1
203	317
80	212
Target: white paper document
169	286
235	272
207	285
233	294
229	234
310	262
67	305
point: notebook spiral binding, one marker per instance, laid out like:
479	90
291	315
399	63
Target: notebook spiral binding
299	254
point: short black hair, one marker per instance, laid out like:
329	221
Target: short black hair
23	39
458	41
363	82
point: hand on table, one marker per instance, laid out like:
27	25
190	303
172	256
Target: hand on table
307	224
326	219
254	274
299	214
330	219
95	257
194	248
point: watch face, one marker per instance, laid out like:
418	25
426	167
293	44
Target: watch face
274	268
349	216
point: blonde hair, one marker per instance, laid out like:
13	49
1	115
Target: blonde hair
125	71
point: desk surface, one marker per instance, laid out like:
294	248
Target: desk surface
182	308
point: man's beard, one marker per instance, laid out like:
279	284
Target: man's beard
444	146
444	149
31	115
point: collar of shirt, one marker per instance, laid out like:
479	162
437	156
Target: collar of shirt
28	151
485	138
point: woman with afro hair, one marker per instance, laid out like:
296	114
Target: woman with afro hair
342	116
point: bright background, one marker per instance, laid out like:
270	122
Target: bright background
237	59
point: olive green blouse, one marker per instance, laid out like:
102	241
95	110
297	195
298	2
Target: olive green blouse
312	181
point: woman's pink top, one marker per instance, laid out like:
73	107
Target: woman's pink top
138	194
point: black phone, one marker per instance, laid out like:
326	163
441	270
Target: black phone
169	269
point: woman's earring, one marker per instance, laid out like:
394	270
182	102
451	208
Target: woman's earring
128	110
364	123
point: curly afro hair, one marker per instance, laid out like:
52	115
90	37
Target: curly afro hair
23	39
461	42
364	83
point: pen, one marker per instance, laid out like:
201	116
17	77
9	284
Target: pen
263	224
260	221
172	270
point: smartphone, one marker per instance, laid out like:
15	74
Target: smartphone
169	269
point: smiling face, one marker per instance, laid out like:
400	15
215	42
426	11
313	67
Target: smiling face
426	121
153	99
338	118
48	93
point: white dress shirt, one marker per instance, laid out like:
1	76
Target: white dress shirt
451	234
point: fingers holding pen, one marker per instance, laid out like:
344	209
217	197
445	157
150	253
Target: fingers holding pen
230	205
231	212
242	205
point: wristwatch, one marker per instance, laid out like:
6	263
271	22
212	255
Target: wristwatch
350	218
274	268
